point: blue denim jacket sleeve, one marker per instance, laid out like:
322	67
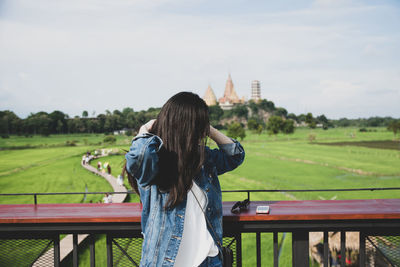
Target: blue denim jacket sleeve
142	158
227	157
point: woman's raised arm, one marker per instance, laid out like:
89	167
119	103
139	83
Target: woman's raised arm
219	137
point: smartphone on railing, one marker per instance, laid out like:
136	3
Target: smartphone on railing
262	209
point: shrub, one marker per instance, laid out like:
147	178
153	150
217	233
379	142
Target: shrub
70	143
236	130
288	126
110	139
129	133
274	125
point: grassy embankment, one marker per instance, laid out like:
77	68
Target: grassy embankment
272	162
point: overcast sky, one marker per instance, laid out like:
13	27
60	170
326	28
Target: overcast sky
332	57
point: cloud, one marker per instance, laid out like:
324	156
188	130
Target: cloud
72	54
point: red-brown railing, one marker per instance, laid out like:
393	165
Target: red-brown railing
374	217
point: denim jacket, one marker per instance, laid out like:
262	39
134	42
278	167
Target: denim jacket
162	228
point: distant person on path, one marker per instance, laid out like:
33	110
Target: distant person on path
176	175
107	198
99	166
105	165
120	180
108	169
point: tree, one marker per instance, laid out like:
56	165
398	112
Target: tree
38	123
215	113
324	121
240	111
301	118
255	125
9	123
253	107
310	121
343	122
236	130
394	126
266	105
288	127
252	124
259	129
78	125
281	112
292	116
274	124
58	122
85	114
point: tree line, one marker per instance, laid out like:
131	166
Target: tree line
255	116
57	122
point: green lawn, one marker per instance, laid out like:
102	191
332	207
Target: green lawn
272	162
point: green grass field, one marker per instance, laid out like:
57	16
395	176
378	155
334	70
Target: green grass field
272	162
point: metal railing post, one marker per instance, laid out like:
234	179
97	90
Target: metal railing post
57	251
300	257
75	262
326	248
342	248
239	250
276	252
92	241
258	248
109	251
362	249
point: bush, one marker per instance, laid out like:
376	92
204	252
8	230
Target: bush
71	143
259	129
129	133
312	137
274	125
255	126
288	126
236	130
110	139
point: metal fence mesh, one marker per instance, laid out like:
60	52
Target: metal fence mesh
26	252
383	251
127	251
231	242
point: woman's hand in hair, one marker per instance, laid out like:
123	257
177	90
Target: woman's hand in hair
219	137
146	127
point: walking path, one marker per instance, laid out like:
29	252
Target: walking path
66	244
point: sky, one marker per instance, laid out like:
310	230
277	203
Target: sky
340	58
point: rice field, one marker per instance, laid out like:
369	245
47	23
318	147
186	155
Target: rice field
336	158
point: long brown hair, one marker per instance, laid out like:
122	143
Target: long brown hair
183	125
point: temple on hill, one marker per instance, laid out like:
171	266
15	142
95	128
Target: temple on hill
229	99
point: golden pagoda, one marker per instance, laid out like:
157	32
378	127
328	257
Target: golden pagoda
230	97
209	97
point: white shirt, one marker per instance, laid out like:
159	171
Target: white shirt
197	243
